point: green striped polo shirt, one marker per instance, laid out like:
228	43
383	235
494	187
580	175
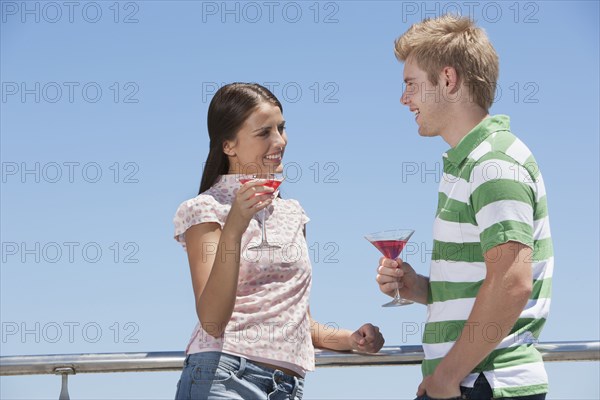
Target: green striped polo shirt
491	192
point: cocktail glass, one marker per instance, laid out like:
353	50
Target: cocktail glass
271	180
390	244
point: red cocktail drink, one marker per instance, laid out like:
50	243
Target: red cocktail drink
390	244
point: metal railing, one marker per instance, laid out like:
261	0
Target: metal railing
70	364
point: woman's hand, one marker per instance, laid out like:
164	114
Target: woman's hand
367	339
250	198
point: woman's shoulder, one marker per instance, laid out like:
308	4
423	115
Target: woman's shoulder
200	209
293	206
289	202
205	200
213	194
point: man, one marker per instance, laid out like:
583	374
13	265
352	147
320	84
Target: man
488	292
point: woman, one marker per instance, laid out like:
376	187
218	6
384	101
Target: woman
255	336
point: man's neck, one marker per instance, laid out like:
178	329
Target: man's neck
463	122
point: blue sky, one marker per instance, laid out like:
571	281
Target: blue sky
103	134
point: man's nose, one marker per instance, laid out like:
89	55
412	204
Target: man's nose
404	98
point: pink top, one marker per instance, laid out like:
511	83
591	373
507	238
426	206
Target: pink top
270	317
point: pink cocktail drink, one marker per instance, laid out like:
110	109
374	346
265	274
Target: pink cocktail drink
390	248
273	183
390	244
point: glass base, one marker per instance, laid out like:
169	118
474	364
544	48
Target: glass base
264	246
397	302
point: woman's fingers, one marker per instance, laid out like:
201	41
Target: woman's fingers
262	201
254	195
256	186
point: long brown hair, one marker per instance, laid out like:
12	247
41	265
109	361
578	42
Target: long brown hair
231	105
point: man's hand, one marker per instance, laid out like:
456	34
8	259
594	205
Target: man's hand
396	274
437	388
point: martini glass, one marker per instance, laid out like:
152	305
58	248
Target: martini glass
390	244
271	180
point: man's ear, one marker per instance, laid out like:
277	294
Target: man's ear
450	77
228	148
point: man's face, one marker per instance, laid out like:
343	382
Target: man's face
424	99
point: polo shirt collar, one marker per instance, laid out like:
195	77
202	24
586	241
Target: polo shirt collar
478	134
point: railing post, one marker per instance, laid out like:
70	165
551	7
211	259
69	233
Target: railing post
64	388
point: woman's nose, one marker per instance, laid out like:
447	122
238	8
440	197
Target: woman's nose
279	141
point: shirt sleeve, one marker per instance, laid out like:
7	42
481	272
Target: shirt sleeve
303	216
503	199
199	210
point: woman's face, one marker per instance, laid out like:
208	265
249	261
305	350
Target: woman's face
259	144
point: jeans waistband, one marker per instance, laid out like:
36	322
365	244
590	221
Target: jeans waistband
239	364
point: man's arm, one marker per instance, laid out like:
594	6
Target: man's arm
501	299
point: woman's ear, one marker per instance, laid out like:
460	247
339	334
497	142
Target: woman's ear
228	148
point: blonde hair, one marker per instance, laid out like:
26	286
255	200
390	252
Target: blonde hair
457	42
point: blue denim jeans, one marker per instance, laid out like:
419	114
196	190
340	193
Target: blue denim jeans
215	375
482	390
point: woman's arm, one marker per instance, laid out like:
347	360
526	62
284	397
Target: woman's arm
366	339
214	257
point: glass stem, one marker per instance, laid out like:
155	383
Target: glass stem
264	230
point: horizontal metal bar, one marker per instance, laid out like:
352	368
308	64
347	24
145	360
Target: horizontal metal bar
173	360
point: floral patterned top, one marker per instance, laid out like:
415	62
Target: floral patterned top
270	320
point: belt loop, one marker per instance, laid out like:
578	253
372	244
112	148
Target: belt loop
242	367
186	361
296	383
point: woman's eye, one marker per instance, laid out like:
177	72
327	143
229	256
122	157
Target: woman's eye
281	128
